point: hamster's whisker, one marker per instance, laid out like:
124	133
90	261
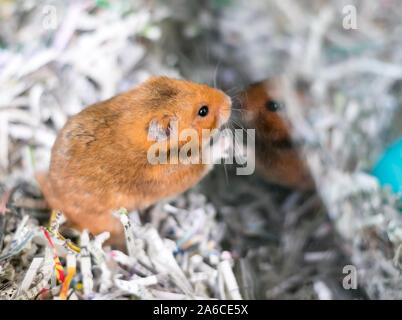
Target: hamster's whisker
240	126
216	73
238	110
235	89
236	141
237	144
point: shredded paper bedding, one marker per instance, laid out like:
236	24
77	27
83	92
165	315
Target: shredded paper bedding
230	237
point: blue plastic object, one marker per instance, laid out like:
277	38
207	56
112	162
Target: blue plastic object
388	169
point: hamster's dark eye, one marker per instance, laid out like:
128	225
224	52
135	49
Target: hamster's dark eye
203	111
272	105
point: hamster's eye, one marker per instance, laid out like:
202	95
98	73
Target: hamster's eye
203	111
272	105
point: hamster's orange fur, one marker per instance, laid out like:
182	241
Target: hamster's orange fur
276	156
99	159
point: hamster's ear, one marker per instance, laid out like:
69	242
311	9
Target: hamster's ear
162	129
